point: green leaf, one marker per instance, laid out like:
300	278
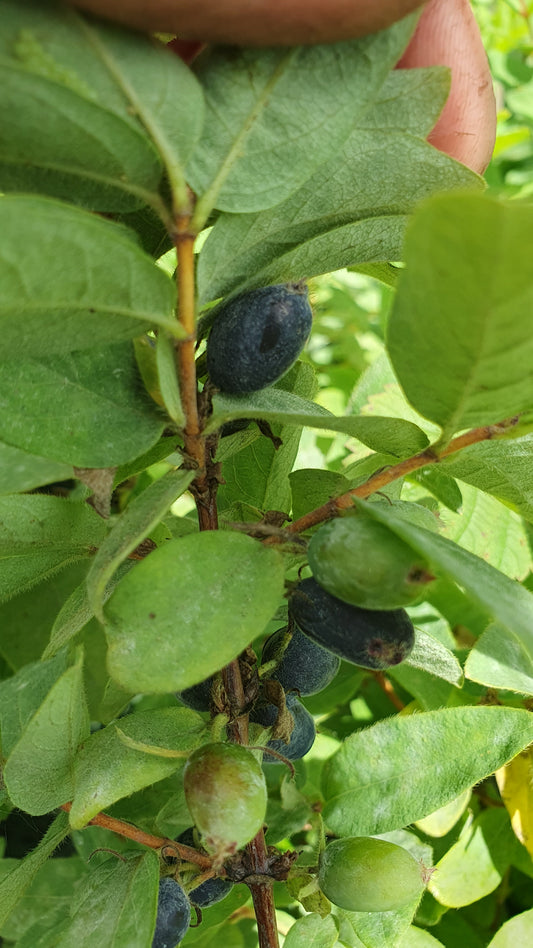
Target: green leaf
440	485
392	435
77	275
354	209
21	696
501	468
257	478
431	656
475	864
46	902
464	303
117	907
160	90
418	938
85	408
270	111
39	770
107	769
76	612
376	929
443	820
21	470
189	608
82	152
106	92
312	487
13	886
139	518
26	619
500	659
516	931
312	931
508	602
491	531
39	535
404	768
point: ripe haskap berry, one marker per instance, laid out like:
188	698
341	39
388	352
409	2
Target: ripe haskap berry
363	874
302	737
173	915
226	794
211	891
303	665
367	637
197	697
257	336
364	563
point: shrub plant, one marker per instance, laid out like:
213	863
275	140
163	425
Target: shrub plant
158	223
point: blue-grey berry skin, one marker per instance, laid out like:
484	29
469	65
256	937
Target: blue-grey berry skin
211	891
302	737
173	915
370	638
304	666
197	697
257	336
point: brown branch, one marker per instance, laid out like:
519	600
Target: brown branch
388	688
262	894
184	243
146	839
387	475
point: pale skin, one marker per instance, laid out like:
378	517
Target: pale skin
447	34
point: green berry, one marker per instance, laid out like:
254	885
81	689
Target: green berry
365	564
363	874
226	794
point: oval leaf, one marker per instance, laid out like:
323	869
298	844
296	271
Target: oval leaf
404	768
70	280
189	608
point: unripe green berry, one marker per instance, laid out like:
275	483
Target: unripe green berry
226	794
364	874
365	564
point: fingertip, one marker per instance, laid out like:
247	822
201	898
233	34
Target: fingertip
447	34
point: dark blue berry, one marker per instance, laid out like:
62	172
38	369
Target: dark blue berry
211	891
303	665
371	638
257	336
302	737
173	914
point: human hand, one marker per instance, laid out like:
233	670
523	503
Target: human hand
447	34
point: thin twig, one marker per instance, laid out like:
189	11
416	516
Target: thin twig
146	839
382	478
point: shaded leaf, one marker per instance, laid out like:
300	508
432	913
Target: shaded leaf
500	659
501	468
39	535
21	470
85	408
140	517
22	695
491	531
431	656
81	277
13	886
40	768
117	906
